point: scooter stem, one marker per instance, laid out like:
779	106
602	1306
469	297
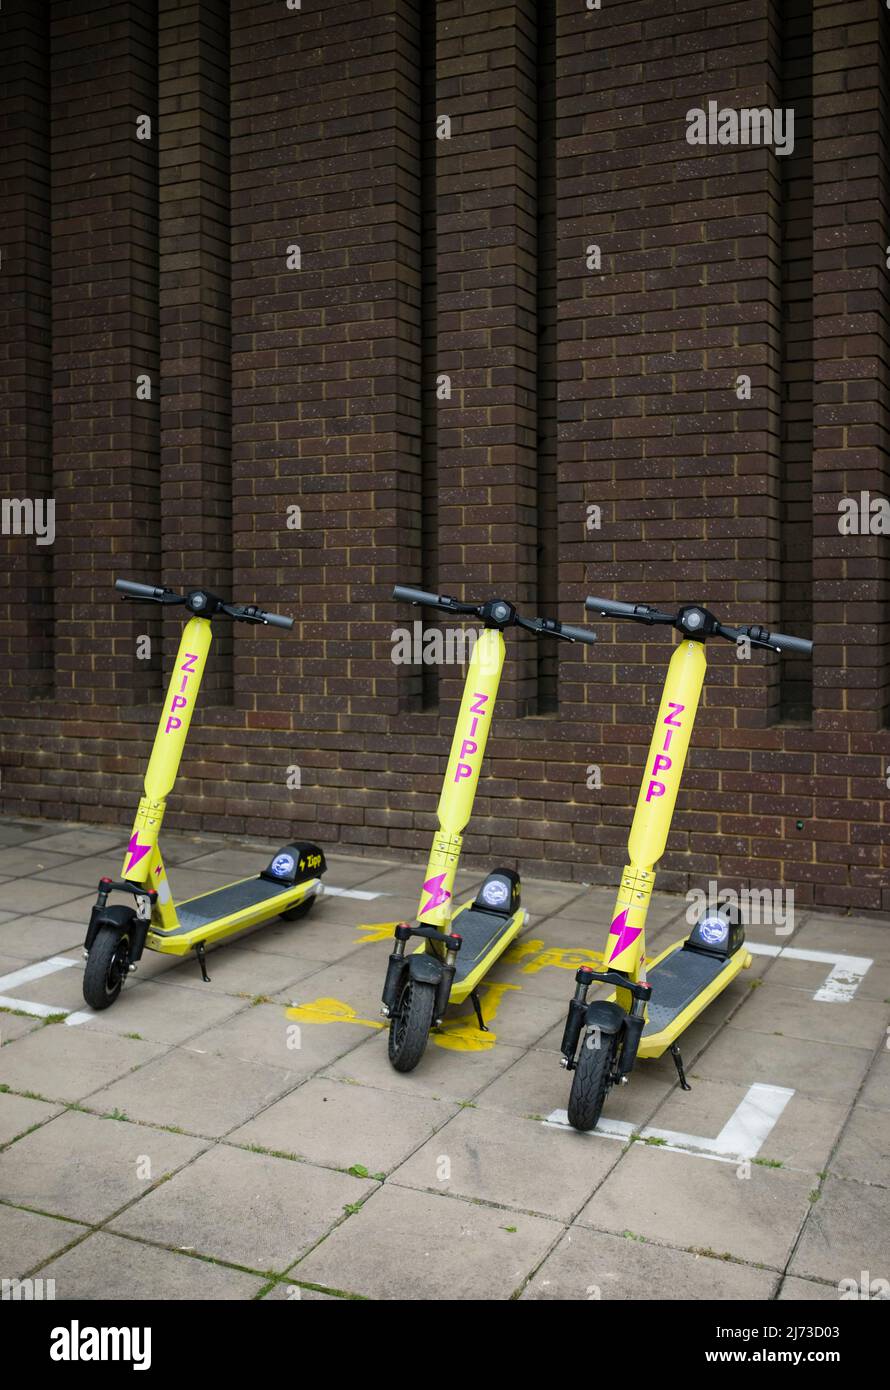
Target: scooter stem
166	753
462	777
655	808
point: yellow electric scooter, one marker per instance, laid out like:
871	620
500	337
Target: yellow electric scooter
458	946
287	887
650	1009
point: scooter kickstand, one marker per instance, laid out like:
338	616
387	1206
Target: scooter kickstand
678	1061
202	961
478	1007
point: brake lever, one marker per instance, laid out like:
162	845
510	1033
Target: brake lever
169	597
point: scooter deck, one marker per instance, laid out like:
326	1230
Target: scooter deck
210	917
683	984
484	937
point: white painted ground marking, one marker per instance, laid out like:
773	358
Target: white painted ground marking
844	978
352	893
741	1137
37	971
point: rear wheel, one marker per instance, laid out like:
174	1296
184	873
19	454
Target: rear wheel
293	914
411	1024
592	1078
106	968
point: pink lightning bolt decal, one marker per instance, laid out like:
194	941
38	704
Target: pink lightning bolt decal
626	935
438	894
135	850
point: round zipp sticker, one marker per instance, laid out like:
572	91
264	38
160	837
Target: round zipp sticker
282	865
495	893
713	930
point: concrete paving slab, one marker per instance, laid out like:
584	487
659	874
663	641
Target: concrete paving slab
198	1092
80	843
441	1072
65	909
271	1035
85	1167
238	971
542	896
697	1204
851	935
61	1063
339	1124
17	832
404	1243
802	1138
14	1025
351	983
22	860
83	871
319	937
864	1151
107	1267
813	1068
592	1265
29	896
36	938
846	1233
162	1014
876	1091
535	1085
498	1157
296	1293
793	1013
249	1209
811	976
27	1239
807	1290
20	1113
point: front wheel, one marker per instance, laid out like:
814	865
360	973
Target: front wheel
592	1078
411	1023
106	968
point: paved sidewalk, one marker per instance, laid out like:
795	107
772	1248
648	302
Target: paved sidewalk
247	1138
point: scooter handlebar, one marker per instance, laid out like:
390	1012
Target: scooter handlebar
134	590
408	595
577	634
779	641
275	619
610	608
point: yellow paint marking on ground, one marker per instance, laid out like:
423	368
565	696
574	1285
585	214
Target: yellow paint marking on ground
463	1034
564	958
378	931
330	1011
520	951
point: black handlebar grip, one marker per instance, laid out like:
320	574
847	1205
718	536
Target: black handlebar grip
577	634
800	645
277	620
611	607
129	586
408	595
